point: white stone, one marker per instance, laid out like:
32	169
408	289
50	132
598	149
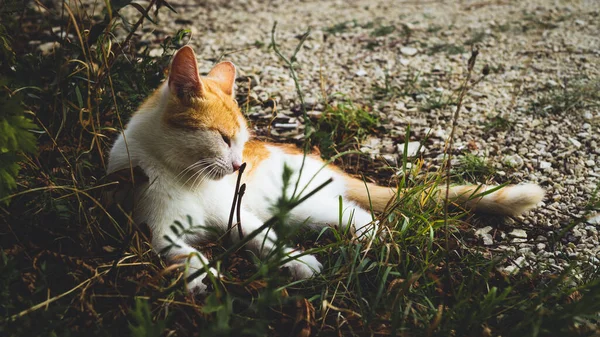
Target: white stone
514	161
48	47
518	233
594	220
360	73
575	142
545	165
156	52
484	230
488	240
409	51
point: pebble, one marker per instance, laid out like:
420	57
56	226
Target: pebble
360	73
514	161
575	142
409	51
48	47
518	233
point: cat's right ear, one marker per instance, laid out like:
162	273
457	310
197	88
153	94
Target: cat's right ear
184	80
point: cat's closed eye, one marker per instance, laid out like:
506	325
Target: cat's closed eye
226	139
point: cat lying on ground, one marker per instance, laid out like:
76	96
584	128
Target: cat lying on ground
190	138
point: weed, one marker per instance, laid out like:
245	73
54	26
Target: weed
536	21
573	95
502	28
473	168
476	38
372	45
448	48
143	325
383	31
498	123
437	100
410	84
341	126
340	27
434	28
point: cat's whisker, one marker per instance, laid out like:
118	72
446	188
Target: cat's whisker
191	167
209	175
201	176
196	174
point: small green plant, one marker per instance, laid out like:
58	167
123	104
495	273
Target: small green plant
16	138
408	85
502	28
142	323
340	27
498	123
537	21
341	126
573	95
434	28
473	168
476	38
437	100
448	48
383	31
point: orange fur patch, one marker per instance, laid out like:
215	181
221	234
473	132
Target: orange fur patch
215	110
254	152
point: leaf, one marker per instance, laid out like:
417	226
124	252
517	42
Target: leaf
166	4
79	97
142	10
143	325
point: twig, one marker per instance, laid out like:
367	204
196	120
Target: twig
290	64
238	211
235	198
447	150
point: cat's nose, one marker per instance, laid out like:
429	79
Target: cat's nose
236	165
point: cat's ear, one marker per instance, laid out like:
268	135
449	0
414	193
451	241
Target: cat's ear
184	80
224	75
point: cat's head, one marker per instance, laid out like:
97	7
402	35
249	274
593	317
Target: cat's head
207	129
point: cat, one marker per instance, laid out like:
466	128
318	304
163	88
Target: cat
189	137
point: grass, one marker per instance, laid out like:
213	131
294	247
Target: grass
570	96
437	100
498	123
342	126
383	31
68	267
448	48
410	84
473	168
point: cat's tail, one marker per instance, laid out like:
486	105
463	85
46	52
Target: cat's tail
508	200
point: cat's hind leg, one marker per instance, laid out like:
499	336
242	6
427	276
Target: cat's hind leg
300	266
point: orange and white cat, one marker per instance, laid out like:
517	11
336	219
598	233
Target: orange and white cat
190	137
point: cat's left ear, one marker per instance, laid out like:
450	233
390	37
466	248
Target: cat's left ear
184	80
224	74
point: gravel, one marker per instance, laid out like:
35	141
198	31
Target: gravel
530	48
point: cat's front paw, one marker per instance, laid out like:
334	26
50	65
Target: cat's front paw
198	286
304	267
